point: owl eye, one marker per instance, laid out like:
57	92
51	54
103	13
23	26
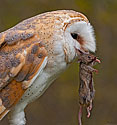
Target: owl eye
74	36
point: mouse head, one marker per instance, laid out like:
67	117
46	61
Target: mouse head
87	58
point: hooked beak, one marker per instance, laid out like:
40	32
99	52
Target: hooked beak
80	51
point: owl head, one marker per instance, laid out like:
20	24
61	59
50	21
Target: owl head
79	33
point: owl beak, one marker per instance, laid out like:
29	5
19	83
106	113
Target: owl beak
84	50
81	51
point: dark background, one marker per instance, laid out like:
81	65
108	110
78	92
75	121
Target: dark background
59	104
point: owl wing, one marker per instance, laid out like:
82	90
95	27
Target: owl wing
22	58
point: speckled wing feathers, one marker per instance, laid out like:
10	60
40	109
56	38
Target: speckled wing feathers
21	56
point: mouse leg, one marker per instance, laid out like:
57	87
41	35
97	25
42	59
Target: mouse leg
88	112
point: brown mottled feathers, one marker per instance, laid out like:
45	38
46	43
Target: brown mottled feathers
21	56
9	96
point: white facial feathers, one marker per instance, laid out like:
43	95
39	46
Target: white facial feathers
84	30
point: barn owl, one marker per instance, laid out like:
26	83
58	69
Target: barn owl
34	53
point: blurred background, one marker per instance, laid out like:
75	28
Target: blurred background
59	104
